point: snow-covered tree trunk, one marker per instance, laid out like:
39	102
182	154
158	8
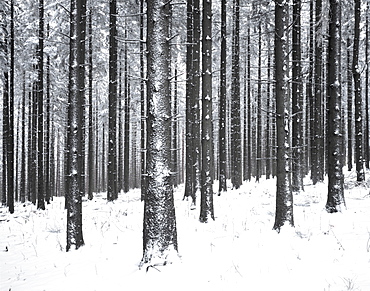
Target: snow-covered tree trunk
297	101
284	198
40	111
74	135
236	146
112	193
335	135
222	105
206	203
358	98
159	231
349	106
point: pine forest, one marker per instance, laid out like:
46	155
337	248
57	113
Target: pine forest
161	144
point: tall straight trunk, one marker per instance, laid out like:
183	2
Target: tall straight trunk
236	146
268	105
297	101
142	106
335	136
358	98
126	154
23	151
90	156
284	197
317	174
10	136
222	105
120	127
367	108
206	203
259	105
174	147
195	94
159	227
349	107
310	93
74	183
249	101
47	134
5	137
112	120
190	188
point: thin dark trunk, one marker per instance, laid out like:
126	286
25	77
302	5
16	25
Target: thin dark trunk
90	157
358	98
349	107
249	101
259	106
222	105
126	154
23	151
297	101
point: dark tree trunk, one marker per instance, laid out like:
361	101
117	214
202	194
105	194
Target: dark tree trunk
297	101
189	164
335	136
259	106
358	98
142	106
90	156
47	134
23	151
349	107
126	154
367	108
10	137
268	105
112	135
236	146
206	203
74	134
318	172
284	197
222	105
159	231
249	101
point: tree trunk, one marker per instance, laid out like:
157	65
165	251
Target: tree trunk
112	148
367	108
349	107
126	154
159	232
74	134
236	146
297	100
142	106
284	197
23	151
190	177
90	156
358	98
335	136
259	105
206	203
222	105
249	101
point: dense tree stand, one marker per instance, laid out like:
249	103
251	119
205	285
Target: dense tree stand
159	230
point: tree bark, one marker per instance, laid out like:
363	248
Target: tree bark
112	192
335	136
284	197
222	105
349	107
358	98
159	232
74	134
206	203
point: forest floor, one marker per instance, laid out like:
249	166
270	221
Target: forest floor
238	251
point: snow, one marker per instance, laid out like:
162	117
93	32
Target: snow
237	251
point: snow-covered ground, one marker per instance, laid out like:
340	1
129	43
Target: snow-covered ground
238	251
